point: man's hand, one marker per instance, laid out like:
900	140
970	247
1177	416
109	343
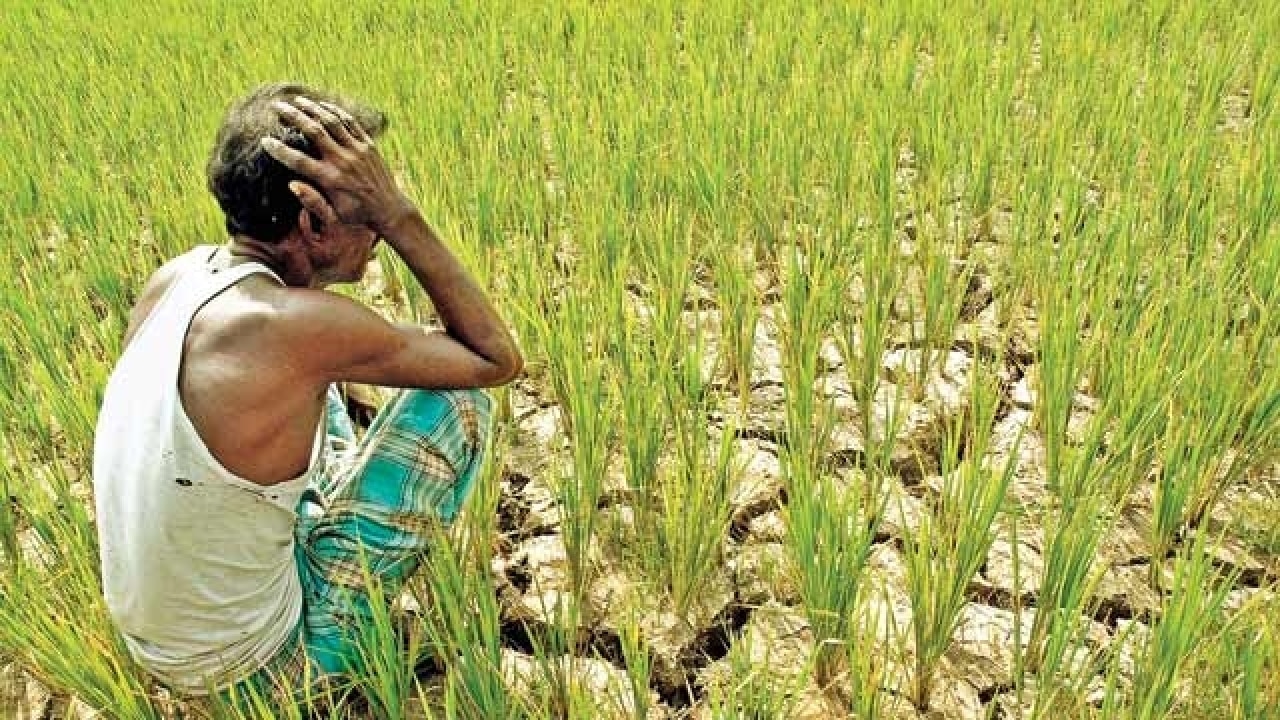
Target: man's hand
344	341
350	171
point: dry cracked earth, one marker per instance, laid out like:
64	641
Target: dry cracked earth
754	605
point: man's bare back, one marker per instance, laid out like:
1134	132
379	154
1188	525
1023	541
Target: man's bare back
232	362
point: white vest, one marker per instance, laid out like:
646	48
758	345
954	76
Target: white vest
197	563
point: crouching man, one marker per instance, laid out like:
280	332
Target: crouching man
236	512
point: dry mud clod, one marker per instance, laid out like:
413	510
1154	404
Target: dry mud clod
22	695
608	686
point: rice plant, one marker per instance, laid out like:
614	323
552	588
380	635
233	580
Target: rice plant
462	629
831	528
953	539
1196	596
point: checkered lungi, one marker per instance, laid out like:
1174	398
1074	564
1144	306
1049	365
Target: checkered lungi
371	511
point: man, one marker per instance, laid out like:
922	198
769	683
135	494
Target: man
235	531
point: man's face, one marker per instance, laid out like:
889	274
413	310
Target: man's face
350	251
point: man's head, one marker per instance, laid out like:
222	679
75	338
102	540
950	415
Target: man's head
252	187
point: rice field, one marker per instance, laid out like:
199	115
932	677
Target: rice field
913	360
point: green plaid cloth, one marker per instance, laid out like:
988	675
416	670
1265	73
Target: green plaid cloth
374	504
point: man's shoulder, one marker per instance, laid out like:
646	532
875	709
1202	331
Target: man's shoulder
329	332
163	277
156	287
311	324
313	306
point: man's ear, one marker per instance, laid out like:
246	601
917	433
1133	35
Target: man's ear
315	210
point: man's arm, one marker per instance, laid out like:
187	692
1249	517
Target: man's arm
465	310
353	344
347	342
155	289
336	339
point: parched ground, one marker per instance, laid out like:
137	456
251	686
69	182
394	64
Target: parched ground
756	607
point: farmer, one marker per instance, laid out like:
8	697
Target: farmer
236	511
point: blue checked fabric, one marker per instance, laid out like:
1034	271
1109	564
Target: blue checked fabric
371	511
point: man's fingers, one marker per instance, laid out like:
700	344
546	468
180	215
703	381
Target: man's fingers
333	124
315	131
353	126
313	201
295	160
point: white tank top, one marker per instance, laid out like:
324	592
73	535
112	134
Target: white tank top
197	563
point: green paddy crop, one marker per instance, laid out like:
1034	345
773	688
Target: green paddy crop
820	303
